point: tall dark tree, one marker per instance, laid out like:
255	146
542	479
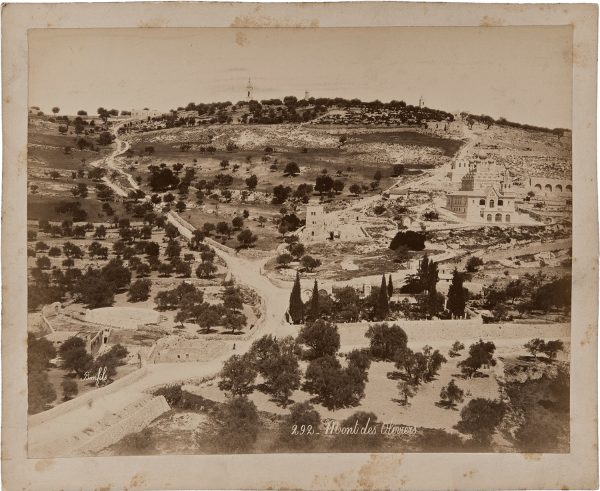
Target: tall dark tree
390	287
296	308
314	302
423	272
456	295
433	299
383	306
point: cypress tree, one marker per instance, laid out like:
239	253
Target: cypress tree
314	302
433	304
432	276
390	287
296	308
423	272
456	295
383	306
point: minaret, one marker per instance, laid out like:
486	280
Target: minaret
250	89
306	95
506	183
421	102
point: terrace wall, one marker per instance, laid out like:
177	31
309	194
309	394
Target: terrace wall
445	332
86	398
131	424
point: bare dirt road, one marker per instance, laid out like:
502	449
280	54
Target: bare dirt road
61	435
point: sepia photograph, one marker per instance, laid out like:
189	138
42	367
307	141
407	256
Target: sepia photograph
317	240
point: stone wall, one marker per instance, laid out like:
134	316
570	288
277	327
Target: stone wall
133	423
122	317
444	332
84	399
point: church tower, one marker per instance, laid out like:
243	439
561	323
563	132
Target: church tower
250	91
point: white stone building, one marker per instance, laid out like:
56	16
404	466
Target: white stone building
485	196
322	226
145	113
461	167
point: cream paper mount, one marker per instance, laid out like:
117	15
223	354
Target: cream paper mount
312	246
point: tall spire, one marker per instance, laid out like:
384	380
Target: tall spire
250	90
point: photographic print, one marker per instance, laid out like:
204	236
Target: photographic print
299	240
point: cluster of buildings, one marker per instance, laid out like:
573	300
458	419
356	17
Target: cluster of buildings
485	194
321	226
94	341
145	113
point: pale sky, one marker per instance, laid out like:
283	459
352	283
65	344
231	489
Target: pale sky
521	73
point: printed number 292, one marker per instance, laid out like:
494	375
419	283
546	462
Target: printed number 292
303	430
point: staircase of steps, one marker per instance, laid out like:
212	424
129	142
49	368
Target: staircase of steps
71	441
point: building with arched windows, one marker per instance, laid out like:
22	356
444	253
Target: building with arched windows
484	206
485	196
549	189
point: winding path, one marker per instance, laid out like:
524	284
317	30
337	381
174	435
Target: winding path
62	434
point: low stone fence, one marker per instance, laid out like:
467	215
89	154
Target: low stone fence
217	245
448	331
257	253
86	398
174	217
130	424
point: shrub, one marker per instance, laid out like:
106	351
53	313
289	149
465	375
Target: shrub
300	430
238	375
473	264
479	418
239	425
171	393
368	438
140	443
139	290
436	440
69	387
481	354
457	347
451	394
414	241
321	337
386	340
334	386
